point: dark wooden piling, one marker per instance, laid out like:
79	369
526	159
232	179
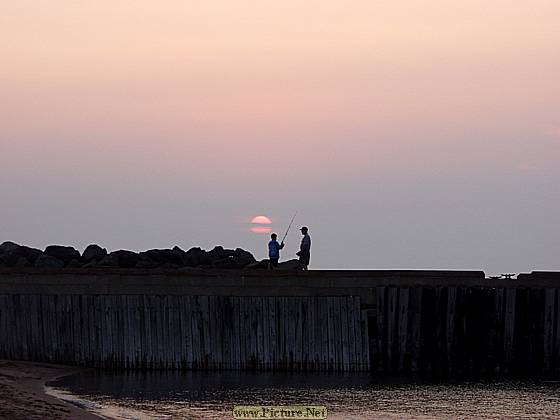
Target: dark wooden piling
200	332
481	330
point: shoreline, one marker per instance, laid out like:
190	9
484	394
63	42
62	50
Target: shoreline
23	392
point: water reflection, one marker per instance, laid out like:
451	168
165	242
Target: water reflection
212	395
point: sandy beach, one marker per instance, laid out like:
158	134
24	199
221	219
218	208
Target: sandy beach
22	393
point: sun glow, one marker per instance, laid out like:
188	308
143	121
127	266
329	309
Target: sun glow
261	220
261	229
260	224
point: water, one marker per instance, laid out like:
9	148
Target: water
172	395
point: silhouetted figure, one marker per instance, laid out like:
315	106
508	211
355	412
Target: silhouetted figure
304	253
274	251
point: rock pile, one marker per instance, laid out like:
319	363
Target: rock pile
56	256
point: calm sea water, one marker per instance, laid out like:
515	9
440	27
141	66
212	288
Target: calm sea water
167	395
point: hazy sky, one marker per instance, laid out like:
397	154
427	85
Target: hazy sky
411	134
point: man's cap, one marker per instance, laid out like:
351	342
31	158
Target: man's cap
304	228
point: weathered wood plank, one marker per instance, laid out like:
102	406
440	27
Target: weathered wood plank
267	348
127	337
273	328
450	325
381	319
323	332
317	331
227	342
350	333
342	336
439	347
361	339
365	341
331	361
403	326
549	327
143	320
556	358
392	328
175	332
509	326
213	334
4	330
291	345
415	323
498	328
251	333
185	315
304	336
31	330
259	333
197	333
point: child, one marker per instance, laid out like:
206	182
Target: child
274	250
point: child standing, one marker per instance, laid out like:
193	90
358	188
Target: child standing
274	250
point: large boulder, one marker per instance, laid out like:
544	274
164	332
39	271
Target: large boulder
91	264
23	262
233	259
74	264
11	258
127	259
8	246
4	261
93	252
180	253
7	259
47	261
121	258
195	257
110	260
244	257
63	253
31	254
218	257
157	257
219	253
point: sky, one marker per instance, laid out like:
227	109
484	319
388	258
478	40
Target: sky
406	134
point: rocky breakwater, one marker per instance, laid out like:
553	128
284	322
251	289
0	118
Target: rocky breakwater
56	256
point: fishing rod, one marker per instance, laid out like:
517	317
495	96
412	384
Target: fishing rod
289	226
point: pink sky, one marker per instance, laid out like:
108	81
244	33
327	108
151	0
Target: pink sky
222	110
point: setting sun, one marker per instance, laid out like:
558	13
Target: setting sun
261	220
259	224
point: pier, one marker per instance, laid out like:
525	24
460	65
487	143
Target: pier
441	322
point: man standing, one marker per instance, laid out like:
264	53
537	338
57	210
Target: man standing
274	251
304	253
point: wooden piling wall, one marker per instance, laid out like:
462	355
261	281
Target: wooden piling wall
186	332
467	330
438	322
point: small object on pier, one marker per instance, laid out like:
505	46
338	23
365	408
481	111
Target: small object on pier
508	276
